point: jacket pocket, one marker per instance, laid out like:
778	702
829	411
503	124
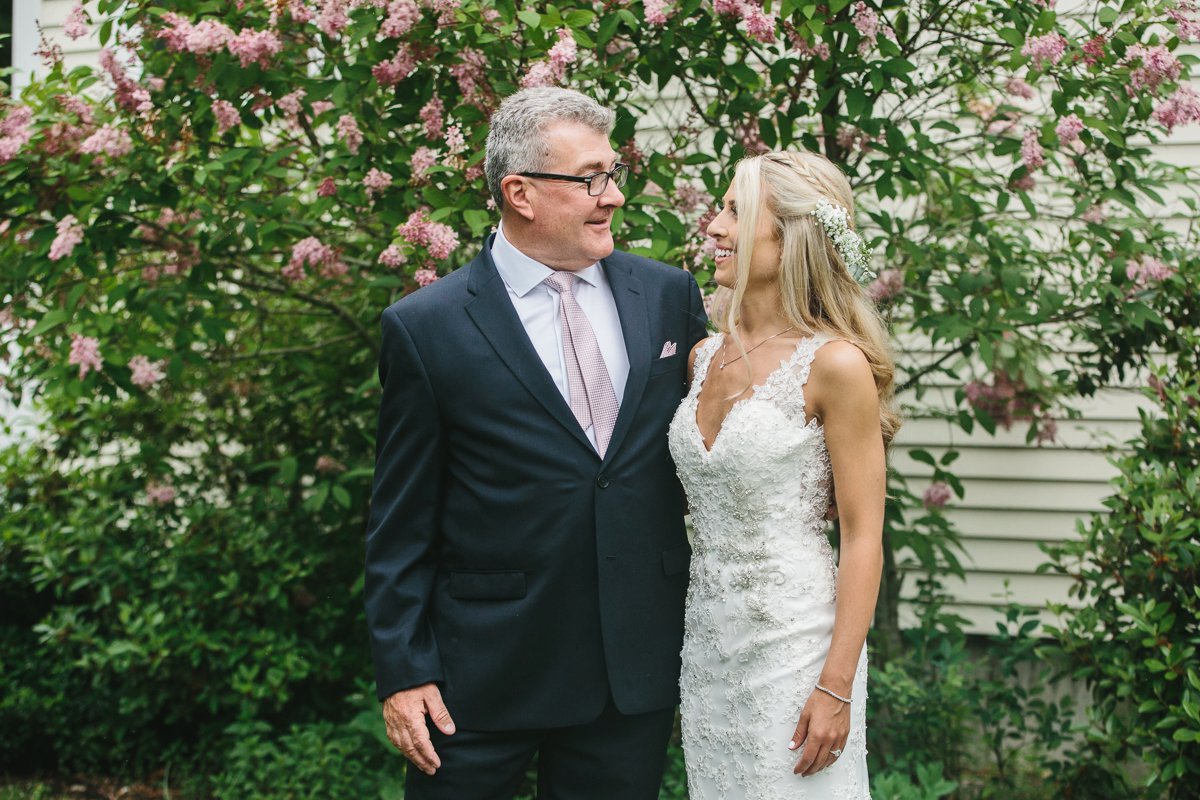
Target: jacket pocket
502	585
676	560
673	363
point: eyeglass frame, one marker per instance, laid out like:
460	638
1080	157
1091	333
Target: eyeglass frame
610	175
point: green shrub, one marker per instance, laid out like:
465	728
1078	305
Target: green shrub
135	635
315	761
1134	638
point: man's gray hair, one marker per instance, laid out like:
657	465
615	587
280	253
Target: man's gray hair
516	143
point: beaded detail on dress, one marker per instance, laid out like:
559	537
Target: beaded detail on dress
760	605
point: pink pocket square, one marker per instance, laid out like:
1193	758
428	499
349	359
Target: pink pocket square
668	350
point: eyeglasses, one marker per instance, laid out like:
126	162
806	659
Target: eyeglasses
596	183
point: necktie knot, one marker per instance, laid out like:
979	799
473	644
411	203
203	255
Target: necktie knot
562	282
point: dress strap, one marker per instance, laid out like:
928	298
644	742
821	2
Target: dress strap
704	357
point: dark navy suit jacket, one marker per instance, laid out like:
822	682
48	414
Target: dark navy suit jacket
504	559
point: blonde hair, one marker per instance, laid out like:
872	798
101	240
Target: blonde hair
817	291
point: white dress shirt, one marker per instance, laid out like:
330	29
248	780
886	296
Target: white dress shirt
540	311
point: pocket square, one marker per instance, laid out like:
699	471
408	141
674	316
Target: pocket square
668	350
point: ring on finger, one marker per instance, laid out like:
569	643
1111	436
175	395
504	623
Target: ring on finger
836	752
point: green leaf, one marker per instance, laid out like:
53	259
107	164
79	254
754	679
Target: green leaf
530	17
51	320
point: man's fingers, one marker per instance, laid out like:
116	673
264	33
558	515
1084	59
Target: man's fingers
421	750
439	714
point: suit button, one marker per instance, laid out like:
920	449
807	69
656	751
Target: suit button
602	481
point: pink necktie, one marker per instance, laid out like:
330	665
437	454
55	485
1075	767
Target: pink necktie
593	401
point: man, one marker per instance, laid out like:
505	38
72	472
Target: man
526	557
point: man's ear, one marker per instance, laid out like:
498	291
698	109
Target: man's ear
514	188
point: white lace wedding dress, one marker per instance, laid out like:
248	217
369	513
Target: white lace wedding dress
760	605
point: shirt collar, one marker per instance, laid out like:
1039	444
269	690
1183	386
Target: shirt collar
522	273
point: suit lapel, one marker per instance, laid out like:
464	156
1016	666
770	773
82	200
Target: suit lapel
492	312
635	328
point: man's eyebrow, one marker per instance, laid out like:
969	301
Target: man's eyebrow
597	166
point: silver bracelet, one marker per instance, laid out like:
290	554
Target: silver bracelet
833	694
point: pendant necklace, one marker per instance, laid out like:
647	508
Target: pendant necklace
752	349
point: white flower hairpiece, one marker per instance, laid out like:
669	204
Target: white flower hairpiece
850	246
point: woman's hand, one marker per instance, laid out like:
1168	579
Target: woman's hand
824	726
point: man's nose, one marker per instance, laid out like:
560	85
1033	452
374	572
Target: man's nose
611	196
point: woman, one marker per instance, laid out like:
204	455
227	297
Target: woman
789	410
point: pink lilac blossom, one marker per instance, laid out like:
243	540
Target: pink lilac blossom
15	132
1047	430
1096	215
1046	49
85	354
127	93
1069	128
332	17
347	129
937	495
759	23
455	143
422	159
255	47
319	107
160	494
328	465
70	234
109	140
1032	154
889	284
728	7
471	75
1018	87
290	103
440	240
76	26
819	50
1156	65
1147	270
689	197
1005	123
656	11
424	277
540	74
1005	400
1187	29
402	16
1181	108
981	108
77	106
708	248
311	252
1024	183
866	21
328	188
181	35
563	53
376	181
1093	50
851	138
144	373
445	10
393	256
431	115
400	66
227	116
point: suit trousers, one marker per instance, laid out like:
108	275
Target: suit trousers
614	757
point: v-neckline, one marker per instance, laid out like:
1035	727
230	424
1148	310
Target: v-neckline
706	448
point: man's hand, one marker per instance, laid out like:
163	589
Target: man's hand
404	715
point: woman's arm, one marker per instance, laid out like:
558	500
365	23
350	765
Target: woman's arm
841	392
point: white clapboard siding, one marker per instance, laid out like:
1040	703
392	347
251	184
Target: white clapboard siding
49	15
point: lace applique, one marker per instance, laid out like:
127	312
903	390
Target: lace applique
760	604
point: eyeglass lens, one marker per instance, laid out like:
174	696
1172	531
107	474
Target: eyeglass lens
599	182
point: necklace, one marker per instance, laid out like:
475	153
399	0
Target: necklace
723	363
